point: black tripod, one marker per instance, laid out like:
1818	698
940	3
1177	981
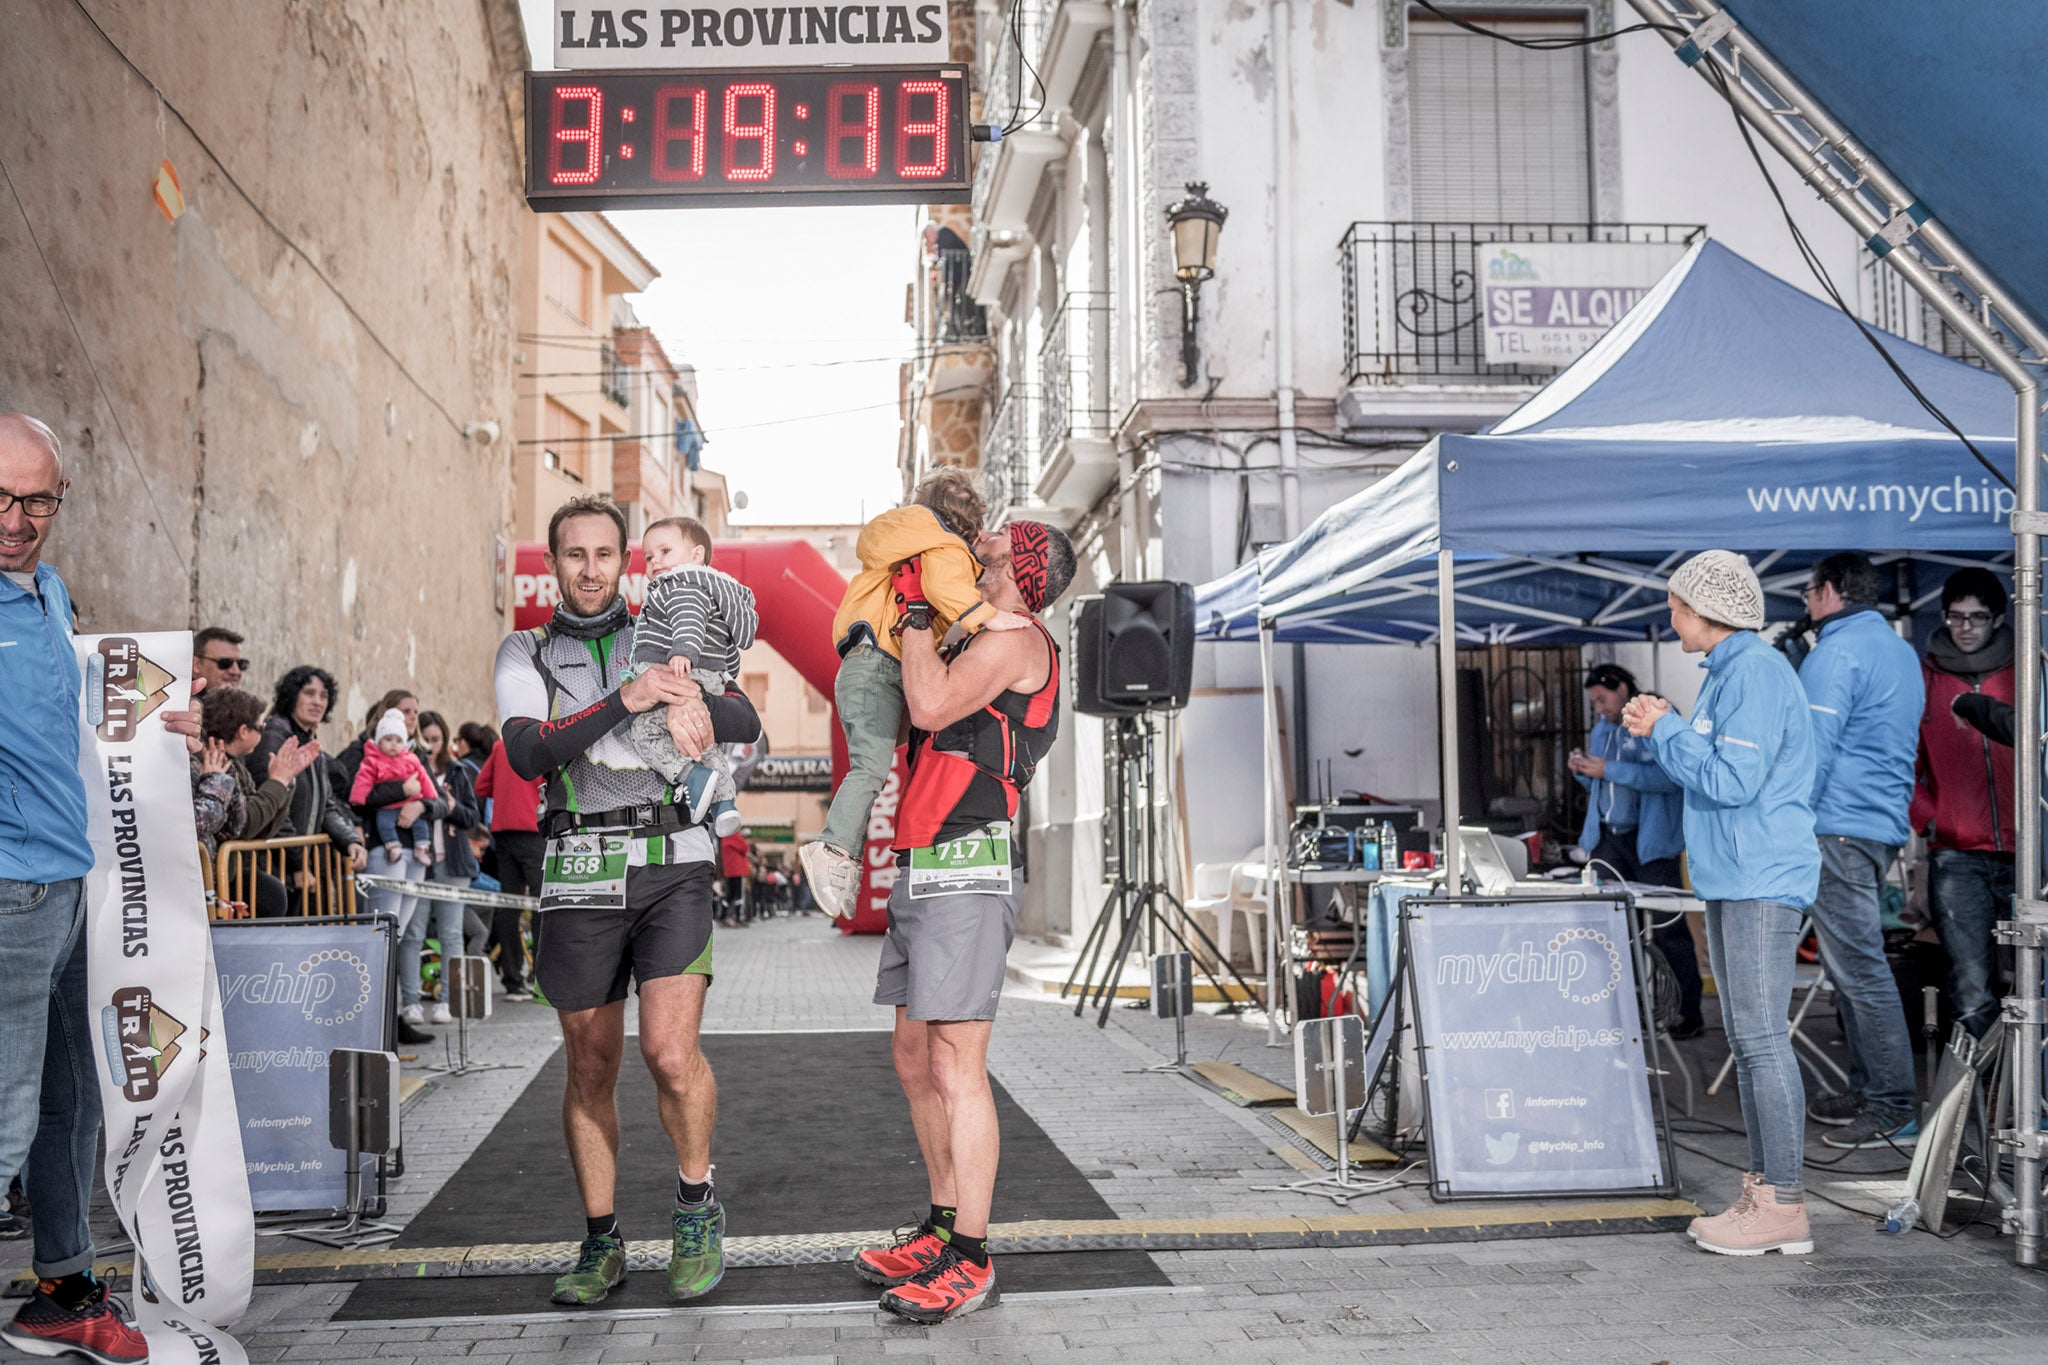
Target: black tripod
1136	898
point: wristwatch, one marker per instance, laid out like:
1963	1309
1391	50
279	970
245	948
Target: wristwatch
917	617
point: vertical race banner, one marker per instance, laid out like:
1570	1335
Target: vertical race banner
174	1165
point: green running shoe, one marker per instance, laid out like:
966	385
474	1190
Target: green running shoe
600	1268
698	1262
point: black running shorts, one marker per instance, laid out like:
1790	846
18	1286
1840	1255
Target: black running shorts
584	958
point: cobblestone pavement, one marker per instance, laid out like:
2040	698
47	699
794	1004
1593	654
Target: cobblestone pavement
1158	1146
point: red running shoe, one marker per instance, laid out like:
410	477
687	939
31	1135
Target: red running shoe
952	1285
915	1250
44	1327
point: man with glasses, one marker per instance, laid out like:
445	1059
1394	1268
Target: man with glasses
1862	685
1964	797
217	657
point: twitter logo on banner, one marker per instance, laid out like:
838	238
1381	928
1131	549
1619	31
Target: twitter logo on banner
1501	1150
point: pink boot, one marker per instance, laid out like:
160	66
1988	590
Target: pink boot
1750	1180
1766	1225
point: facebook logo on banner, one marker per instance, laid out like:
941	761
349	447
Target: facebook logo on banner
1500	1104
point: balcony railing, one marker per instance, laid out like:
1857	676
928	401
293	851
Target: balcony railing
1888	302
612	374
1008	90
960	318
1073	372
1412	298
1006	451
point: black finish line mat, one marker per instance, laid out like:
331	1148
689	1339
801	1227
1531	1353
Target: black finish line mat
813	1134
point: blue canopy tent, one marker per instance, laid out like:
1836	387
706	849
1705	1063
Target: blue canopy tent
1728	410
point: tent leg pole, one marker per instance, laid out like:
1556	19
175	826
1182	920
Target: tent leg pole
1447	709
2024	1010
1278	902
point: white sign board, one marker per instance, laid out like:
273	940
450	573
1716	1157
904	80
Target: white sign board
1546	303
642	36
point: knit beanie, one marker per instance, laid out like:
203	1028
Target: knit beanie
1720	585
391	725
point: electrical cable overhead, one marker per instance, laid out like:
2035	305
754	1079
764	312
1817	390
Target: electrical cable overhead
93	369
1546	44
723	429
1018	118
264	217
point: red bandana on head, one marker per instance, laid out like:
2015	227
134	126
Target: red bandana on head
1029	551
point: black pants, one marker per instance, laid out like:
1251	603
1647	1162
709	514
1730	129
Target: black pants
519	859
272	900
1674	939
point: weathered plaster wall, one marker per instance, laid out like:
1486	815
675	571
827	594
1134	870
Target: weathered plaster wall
244	448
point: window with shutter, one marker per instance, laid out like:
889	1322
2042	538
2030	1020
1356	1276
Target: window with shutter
1497	133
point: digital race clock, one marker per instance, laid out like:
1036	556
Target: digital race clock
816	135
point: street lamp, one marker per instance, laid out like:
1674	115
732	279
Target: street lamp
1197	222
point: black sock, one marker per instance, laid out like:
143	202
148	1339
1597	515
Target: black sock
691	1192
973	1249
606	1226
941	1220
74	1291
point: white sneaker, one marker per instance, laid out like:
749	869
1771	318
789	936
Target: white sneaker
414	1015
441	1014
834	877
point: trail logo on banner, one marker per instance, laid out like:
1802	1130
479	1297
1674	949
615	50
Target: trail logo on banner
174	1145
1535	1070
658	37
1544	304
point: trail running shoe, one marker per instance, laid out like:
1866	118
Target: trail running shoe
697	1262
949	1287
1835	1109
600	1268
44	1327
916	1247
1874	1131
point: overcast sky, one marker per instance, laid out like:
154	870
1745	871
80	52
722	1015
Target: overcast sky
794	320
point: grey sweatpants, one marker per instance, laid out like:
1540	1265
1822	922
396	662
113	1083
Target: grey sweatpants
869	693
651	741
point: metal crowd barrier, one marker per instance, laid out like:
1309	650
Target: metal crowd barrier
321	883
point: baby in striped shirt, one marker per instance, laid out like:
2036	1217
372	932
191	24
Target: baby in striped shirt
695	620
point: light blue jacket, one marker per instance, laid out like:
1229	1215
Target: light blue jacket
1864	688
1632	767
42	797
1746	763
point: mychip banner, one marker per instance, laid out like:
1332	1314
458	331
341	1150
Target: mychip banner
173	1144
292	993
1532	1045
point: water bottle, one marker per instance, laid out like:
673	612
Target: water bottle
1390	847
1903	1216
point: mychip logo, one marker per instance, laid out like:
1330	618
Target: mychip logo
1583	963
122	688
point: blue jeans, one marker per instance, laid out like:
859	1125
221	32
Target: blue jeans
444	920
1846	916
1752	945
49	1089
1969	892
421	835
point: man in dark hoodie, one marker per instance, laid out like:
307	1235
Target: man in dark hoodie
1963	795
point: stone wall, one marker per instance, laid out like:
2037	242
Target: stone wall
262	401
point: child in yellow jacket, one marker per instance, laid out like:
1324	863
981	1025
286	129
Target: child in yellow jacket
937	528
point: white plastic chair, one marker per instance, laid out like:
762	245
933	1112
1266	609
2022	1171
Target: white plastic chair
1211	890
1251	897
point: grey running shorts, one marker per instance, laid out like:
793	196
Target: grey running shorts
943	956
584	958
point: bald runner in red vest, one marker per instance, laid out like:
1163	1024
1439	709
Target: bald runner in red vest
983	713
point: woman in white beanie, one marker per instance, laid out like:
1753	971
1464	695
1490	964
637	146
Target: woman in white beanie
1746	762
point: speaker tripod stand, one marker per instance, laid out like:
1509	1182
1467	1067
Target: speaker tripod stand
1137	900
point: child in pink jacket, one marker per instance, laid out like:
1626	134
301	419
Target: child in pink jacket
390	759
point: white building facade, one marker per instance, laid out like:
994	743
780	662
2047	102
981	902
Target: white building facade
1369	155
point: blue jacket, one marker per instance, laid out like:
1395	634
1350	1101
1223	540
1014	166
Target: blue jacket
1634	779
42	797
1746	763
1864	688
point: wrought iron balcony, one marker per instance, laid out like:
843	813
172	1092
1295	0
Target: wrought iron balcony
612	374
1006	451
960	318
1412	298
1073	372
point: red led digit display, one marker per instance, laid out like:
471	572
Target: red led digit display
863	101
640	139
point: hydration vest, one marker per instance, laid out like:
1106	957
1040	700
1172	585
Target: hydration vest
970	774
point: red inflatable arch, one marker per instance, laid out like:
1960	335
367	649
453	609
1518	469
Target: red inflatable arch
797	591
